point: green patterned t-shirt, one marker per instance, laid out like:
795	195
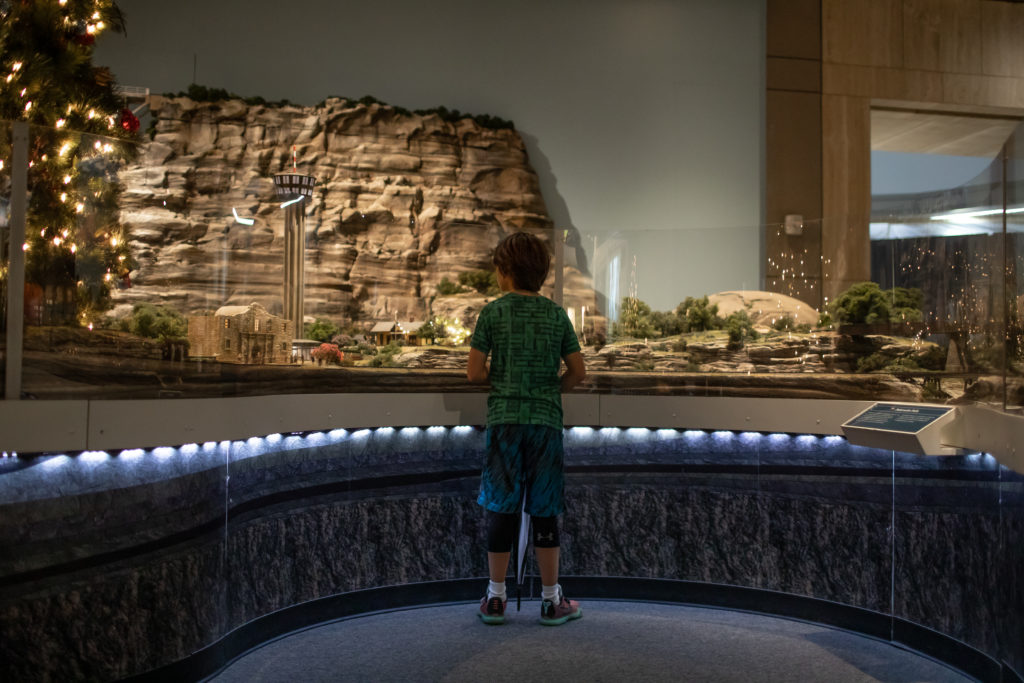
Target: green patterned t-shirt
526	337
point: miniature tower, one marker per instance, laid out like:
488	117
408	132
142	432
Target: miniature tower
294	189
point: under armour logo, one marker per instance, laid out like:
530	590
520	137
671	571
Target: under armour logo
542	537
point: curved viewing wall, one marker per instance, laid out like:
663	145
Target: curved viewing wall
254	249
170	560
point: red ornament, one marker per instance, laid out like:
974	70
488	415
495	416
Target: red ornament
85	39
129	121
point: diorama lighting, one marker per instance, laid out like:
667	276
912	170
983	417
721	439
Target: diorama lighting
239	219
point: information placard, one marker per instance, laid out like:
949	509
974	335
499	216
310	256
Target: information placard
899	417
908	427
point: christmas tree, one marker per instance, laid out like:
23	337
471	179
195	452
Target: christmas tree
80	132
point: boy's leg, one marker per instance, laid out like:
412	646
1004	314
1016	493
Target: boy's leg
501	531
546	546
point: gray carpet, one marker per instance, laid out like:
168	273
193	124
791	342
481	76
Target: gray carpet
614	641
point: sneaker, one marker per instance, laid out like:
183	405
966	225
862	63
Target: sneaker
492	611
553	614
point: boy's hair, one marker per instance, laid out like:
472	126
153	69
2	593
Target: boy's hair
525	258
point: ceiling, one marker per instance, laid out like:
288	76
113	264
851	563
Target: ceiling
930	132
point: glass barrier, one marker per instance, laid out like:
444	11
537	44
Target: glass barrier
1014	154
947	261
237	250
5	258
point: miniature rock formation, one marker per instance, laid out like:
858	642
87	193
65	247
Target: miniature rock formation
764	308
401	201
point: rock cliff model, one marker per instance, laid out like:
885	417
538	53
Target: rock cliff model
402	200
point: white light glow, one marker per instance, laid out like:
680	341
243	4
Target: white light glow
94	457
243	221
975	214
291	201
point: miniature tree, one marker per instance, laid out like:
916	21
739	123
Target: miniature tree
155	322
636	319
483	281
699	315
321	330
740	328
79	134
864	302
867	303
446	287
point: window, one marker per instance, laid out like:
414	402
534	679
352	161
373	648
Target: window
226	324
227	344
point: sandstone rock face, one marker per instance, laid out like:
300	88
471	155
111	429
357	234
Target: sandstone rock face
764	308
401	201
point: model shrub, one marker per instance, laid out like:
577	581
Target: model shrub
427	331
327	353
343	339
867	303
446	287
320	330
386	356
784	323
155	322
483	281
667	323
740	328
906	304
699	315
635	320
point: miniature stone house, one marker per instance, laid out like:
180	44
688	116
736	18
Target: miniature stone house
402	332
241	334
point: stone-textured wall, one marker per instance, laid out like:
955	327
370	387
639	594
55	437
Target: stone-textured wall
402	200
161	558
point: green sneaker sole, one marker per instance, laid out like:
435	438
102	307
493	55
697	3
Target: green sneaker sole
493	621
561	620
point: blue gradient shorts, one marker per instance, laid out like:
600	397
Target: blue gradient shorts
523	458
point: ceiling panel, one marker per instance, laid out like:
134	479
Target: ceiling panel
925	132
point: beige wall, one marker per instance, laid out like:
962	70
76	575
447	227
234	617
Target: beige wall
964	55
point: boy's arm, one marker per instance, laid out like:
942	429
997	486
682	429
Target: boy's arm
575	371
476	368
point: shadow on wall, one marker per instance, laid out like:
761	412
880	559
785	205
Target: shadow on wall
558	210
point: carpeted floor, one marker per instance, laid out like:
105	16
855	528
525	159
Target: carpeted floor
614	641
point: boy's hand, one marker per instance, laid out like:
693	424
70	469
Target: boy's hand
575	371
476	368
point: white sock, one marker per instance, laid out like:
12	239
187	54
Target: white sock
551	593
496	590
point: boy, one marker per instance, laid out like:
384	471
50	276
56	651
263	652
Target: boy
527	337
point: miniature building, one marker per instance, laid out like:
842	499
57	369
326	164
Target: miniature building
241	334
402	332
